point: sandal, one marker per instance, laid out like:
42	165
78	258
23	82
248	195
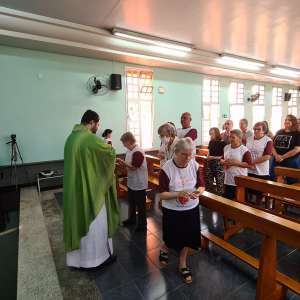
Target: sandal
186	275
163	257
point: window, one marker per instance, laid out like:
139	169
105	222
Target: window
236	102
292	106
276	109
258	108
139	105
210	107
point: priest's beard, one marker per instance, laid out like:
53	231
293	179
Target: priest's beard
94	129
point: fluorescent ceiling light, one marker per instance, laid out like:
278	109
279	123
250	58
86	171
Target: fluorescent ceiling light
167	51
285	72
151	40
240	63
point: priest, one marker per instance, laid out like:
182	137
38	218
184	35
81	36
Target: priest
91	210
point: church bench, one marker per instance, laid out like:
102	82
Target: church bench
281	172
201	151
281	203
281	278
283	192
270	283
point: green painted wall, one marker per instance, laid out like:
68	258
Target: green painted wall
43	95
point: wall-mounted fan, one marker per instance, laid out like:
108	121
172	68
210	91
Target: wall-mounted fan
97	85
254	97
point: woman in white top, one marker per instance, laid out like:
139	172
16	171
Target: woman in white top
260	147
237	159
137	181
180	184
168	137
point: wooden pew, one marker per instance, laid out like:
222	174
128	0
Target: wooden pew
271	284
285	194
280	203
201	151
282	172
153	162
282	194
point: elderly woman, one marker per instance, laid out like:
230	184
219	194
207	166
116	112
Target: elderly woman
215	171
286	147
228	125
237	159
245	132
180	185
260	147
268	131
167	133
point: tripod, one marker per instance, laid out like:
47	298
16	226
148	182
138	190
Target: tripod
14	154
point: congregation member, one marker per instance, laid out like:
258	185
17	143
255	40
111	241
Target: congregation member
187	130
215	171
137	181
107	136
180	185
227	127
90	206
237	159
269	133
243	124
167	134
260	147
286	147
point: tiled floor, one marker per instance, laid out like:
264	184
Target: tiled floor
137	273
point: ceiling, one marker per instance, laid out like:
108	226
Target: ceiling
267	30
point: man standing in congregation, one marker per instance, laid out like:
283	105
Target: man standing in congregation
91	211
186	130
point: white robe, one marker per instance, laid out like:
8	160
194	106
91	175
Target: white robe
95	247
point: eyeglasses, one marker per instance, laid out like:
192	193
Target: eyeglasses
257	129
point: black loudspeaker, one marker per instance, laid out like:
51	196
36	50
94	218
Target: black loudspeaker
287	96
115	82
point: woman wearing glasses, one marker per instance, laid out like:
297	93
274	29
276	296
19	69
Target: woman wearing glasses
180	185
260	147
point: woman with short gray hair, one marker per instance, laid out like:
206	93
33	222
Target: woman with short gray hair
237	159
168	137
180	184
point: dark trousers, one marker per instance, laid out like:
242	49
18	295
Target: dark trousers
229	191
137	202
214	172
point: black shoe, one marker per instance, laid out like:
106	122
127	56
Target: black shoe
128	222
140	228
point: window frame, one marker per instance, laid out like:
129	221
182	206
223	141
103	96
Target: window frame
292	105
232	104
138	100
210	104
259	103
276	105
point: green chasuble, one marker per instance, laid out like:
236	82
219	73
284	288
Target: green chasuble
89	182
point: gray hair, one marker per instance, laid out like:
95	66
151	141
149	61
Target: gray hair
167	127
184	144
237	132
